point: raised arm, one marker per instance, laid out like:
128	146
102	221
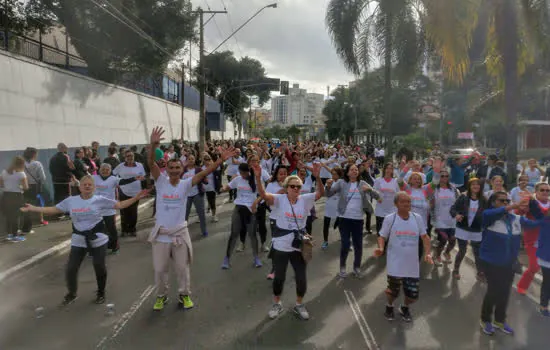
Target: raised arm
126	203
156	138
225	155
320	189
267	197
43	210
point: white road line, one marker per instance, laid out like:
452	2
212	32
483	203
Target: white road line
119	326
375	345
358	319
57	249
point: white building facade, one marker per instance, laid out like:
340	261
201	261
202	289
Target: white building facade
298	108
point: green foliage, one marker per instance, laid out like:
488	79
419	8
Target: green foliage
275	132
415	142
294	132
109	47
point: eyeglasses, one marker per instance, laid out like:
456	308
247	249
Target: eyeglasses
503	200
545	190
444	176
295	187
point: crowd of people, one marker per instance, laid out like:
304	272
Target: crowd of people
418	207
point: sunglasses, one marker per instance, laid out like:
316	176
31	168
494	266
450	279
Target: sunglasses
505	200
546	190
294	187
444	176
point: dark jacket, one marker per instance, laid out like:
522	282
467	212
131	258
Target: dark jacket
79	169
59	168
112	161
482	173
462	206
366	176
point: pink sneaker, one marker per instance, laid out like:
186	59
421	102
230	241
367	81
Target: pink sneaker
44	222
271	276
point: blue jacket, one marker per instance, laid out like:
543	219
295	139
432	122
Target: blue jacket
543	249
502	236
458	171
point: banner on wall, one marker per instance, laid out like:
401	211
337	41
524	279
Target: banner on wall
465	136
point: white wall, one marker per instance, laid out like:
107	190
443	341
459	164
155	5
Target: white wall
41	105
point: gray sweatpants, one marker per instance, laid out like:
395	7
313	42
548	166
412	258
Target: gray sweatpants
242	216
198	202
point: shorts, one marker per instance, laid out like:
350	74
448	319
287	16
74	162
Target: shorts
410	286
446	233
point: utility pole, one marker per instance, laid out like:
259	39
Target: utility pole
182	92
202	85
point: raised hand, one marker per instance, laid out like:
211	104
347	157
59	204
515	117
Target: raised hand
143	194
437	165
329	182
227	153
257	170
316	170
156	135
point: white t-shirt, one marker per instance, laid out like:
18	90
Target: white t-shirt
12	182
419	203
125	172
387	192
189	175
172	155
209	187
283	215
467	235
171	204
307	186
106	188
265	176
354	208
86	214
444	200
402	252
233	169
274	188
245	195
325	174
515	193
534	176
266	164
331	205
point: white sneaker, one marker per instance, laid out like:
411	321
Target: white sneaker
240	247
343	273
275	310
301	311
267	247
215	218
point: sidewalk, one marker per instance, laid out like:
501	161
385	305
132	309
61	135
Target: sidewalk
53	239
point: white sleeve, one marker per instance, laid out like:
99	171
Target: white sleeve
386	225
64	205
423	229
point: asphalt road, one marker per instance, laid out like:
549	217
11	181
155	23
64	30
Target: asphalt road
231	306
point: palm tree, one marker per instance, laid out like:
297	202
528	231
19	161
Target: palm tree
389	30
515	34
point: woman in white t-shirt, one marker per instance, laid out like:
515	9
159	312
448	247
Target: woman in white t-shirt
261	211
387	187
195	197
497	185
533	171
523	186
242	217
14	183
212	185
86	211
307	187
331	208
290	211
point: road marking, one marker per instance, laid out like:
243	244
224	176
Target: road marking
119	326
57	249
361	321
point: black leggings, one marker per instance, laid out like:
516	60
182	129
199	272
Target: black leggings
499	285
128	216
242	220
326	227
462	246
280	260
211	198
379	222
11	203
232	193
260	218
545	287
110	227
76	256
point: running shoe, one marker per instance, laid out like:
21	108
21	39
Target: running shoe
266	247
257	262
544	312
19	239
161	301
438	261
44	223
226	265
324	246
357	273
68	299
503	327
389	314
100	298
456	275
301	311
447	257
487	328
215	218
343	273
240	247
521	291
205	234
275	310
26	233
10	238
185	301
271	276
405	313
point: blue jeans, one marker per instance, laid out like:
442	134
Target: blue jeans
351	230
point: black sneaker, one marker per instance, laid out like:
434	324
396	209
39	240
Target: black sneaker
100	298
389	314
405	313
68	299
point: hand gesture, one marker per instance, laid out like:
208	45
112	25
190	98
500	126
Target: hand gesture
257	170
316	170
459	217
329	182
378	252
227	153
142	194
428	259
140	178
156	135
437	165
27	208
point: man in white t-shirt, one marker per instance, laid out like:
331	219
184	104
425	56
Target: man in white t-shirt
401	231
170	237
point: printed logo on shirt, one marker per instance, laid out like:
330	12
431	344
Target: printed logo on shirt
81	210
298	216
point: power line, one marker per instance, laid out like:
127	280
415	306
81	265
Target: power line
215	22
232	28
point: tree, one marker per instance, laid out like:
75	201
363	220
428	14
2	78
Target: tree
294	132
389	29
513	30
110	48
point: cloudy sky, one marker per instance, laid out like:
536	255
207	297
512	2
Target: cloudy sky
291	41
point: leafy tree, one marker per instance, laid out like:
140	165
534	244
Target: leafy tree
294	132
275	132
110	47
389	29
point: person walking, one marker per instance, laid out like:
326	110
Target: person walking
36	179
14	183
213	185
127	170
195	197
331	207
86	211
290	211
170	236
61	168
387	186
400	231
